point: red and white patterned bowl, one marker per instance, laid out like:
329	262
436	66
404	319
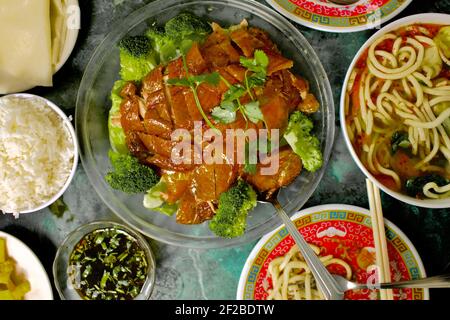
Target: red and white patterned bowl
327	16
344	232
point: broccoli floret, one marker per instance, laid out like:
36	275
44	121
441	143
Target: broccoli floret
231	217
414	186
137	57
129	175
305	145
158	37
162	44
187	26
178	36
185	29
137	46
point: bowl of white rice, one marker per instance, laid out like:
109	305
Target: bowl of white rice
38	153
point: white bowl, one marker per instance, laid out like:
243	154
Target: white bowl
431	18
28	264
73	135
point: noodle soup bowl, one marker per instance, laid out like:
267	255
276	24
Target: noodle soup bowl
427	18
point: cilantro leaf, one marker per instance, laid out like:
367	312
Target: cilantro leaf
234	93
256	80
226	113
209	78
253	111
258	64
183	82
261	58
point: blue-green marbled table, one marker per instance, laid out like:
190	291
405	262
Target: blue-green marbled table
214	274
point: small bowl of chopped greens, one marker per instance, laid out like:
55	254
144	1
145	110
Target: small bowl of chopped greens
104	260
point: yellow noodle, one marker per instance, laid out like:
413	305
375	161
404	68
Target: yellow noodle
438	191
432	124
292	279
437	91
422	78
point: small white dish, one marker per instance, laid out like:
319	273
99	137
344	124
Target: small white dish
28	265
73	135
426	18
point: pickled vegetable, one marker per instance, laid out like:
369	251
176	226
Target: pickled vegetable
10	287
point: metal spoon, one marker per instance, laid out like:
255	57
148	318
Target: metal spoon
442	281
344	2
325	281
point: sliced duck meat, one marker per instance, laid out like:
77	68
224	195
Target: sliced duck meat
217	36
175	70
128	90
158	127
154	93
264	37
203	183
179	110
218	56
290	167
229	79
309	104
155	98
247	42
153	82
218	50
276	112
164	111
281	82
237	71
165	163
178	184
225	175
204	211
290	92
157	145
176	97
130	115
135	146
191	106
194	60
300	84
277	62
192	212
209	96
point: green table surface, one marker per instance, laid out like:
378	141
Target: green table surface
214	274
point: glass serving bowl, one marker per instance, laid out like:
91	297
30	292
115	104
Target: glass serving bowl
61	267
93	104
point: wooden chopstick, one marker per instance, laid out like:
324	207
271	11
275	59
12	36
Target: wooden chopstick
379	236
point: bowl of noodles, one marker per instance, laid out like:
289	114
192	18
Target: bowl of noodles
342	237
395	109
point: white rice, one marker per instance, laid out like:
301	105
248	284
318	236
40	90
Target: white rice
36	154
